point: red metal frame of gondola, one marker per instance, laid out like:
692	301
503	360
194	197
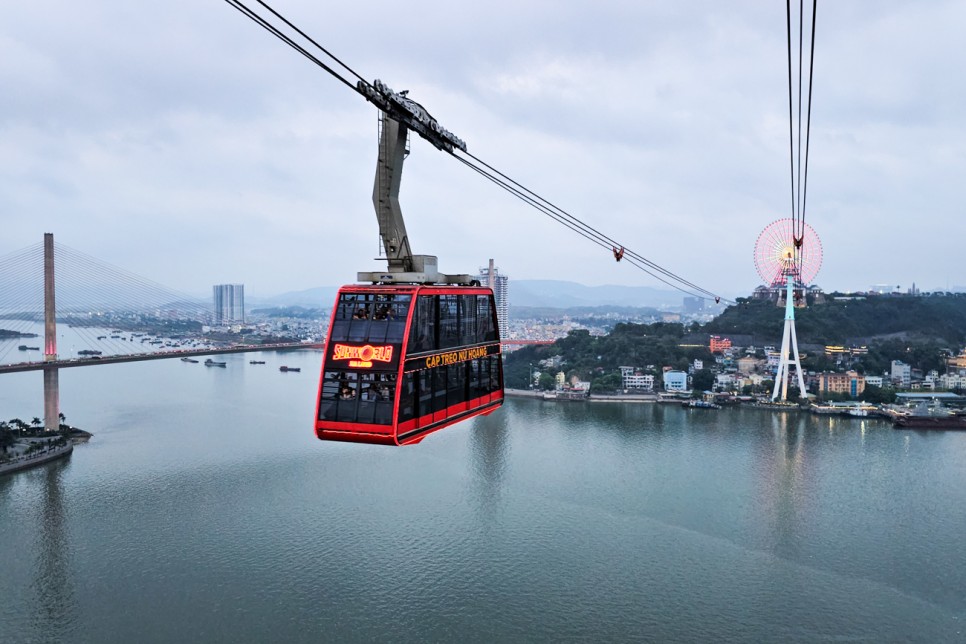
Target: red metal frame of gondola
413	430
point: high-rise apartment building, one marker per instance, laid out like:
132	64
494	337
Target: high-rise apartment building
229	303
491	277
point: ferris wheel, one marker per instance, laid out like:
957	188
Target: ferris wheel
775	256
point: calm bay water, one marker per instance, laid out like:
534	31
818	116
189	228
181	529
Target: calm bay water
205	510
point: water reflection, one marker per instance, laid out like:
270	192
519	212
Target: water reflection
490	446
53	585
781	491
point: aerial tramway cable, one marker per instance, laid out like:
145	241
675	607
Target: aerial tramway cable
799	185
478	165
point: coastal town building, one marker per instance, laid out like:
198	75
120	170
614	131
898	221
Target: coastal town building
957	363
952	381
693	305
724	382
749	364
901	374
717	344
850	383
632	378
490	276
229	304
675	380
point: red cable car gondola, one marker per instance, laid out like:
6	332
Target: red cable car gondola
414	350
403	361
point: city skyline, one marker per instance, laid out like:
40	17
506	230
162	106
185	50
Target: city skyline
144	137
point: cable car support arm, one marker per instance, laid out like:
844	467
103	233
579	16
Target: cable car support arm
399	115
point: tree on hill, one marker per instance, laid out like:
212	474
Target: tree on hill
835	322
593	357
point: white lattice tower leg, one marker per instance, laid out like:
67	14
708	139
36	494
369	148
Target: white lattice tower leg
789	345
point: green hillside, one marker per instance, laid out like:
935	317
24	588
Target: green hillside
597	358
939	318
918	330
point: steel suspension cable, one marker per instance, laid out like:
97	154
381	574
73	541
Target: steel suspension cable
808	126
561	216
307	37
797	231
591	232
791	118
254	17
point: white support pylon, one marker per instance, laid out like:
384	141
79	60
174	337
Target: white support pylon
789	341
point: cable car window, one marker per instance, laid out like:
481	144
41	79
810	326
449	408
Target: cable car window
423	334
474	378
407	397
496	373
468	334
424	391
346	307
456	385
389	313
361	314
439	387
448	321
343	314
339	396
330	395
484	319
484	376
367	398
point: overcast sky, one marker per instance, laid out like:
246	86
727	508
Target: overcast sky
181	142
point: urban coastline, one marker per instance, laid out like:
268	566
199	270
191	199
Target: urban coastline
897	356
23	446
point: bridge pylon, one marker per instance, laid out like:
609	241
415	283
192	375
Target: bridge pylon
51	374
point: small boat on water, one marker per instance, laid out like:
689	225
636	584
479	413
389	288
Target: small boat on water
24	347
256	362
211	363
284	368
700	404
189	360
925	416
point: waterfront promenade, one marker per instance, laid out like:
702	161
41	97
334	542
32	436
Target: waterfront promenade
33	459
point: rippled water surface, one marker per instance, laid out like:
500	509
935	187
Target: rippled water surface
205	510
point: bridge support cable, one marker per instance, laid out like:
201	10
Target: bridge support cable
271	25
21	295
96	295
92	297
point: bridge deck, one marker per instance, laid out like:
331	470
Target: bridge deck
160	355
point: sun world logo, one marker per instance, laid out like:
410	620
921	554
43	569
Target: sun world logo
362	356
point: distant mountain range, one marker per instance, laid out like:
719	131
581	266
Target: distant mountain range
532	293
320	297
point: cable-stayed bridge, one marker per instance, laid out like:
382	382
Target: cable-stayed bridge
61	308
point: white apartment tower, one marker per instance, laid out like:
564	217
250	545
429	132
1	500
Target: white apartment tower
491	277
229	303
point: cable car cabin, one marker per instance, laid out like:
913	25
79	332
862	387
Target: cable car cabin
404	361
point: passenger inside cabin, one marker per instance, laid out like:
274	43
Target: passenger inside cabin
361	313
386	312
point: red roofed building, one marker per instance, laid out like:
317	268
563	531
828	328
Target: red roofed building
719	344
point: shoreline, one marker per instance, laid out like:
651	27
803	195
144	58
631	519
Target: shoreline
37	458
